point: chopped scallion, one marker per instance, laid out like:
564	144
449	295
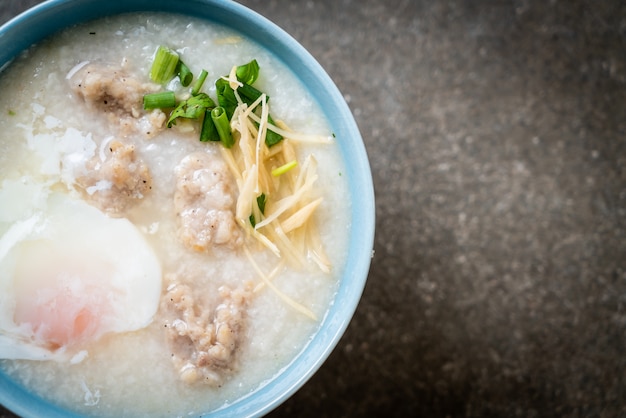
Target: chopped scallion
248	73
164	65
223	126
160	100
195	89
250	94
208	131
271	137
192	108
226	97
260	201
284	168
184	73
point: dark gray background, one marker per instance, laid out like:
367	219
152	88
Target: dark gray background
496	132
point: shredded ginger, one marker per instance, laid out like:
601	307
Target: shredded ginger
287	225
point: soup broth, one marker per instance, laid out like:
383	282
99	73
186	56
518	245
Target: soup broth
74	149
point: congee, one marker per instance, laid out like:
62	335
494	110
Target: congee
173	217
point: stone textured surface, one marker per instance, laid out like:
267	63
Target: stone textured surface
496	132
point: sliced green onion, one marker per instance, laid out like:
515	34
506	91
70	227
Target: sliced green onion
284	168
260	201
226	97
223	126
248	73
195	89
250	94
184	73
271	137
160	100
192	108
208	131
164	65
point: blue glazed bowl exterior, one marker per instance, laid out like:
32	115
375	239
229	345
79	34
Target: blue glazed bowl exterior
51	16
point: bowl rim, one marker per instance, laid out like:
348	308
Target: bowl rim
51	16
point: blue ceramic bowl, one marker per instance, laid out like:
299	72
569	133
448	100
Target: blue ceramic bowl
54	15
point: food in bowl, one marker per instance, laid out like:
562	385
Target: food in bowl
150	262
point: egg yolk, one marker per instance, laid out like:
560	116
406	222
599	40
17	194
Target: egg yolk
60	317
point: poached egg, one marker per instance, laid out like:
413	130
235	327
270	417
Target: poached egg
69	274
